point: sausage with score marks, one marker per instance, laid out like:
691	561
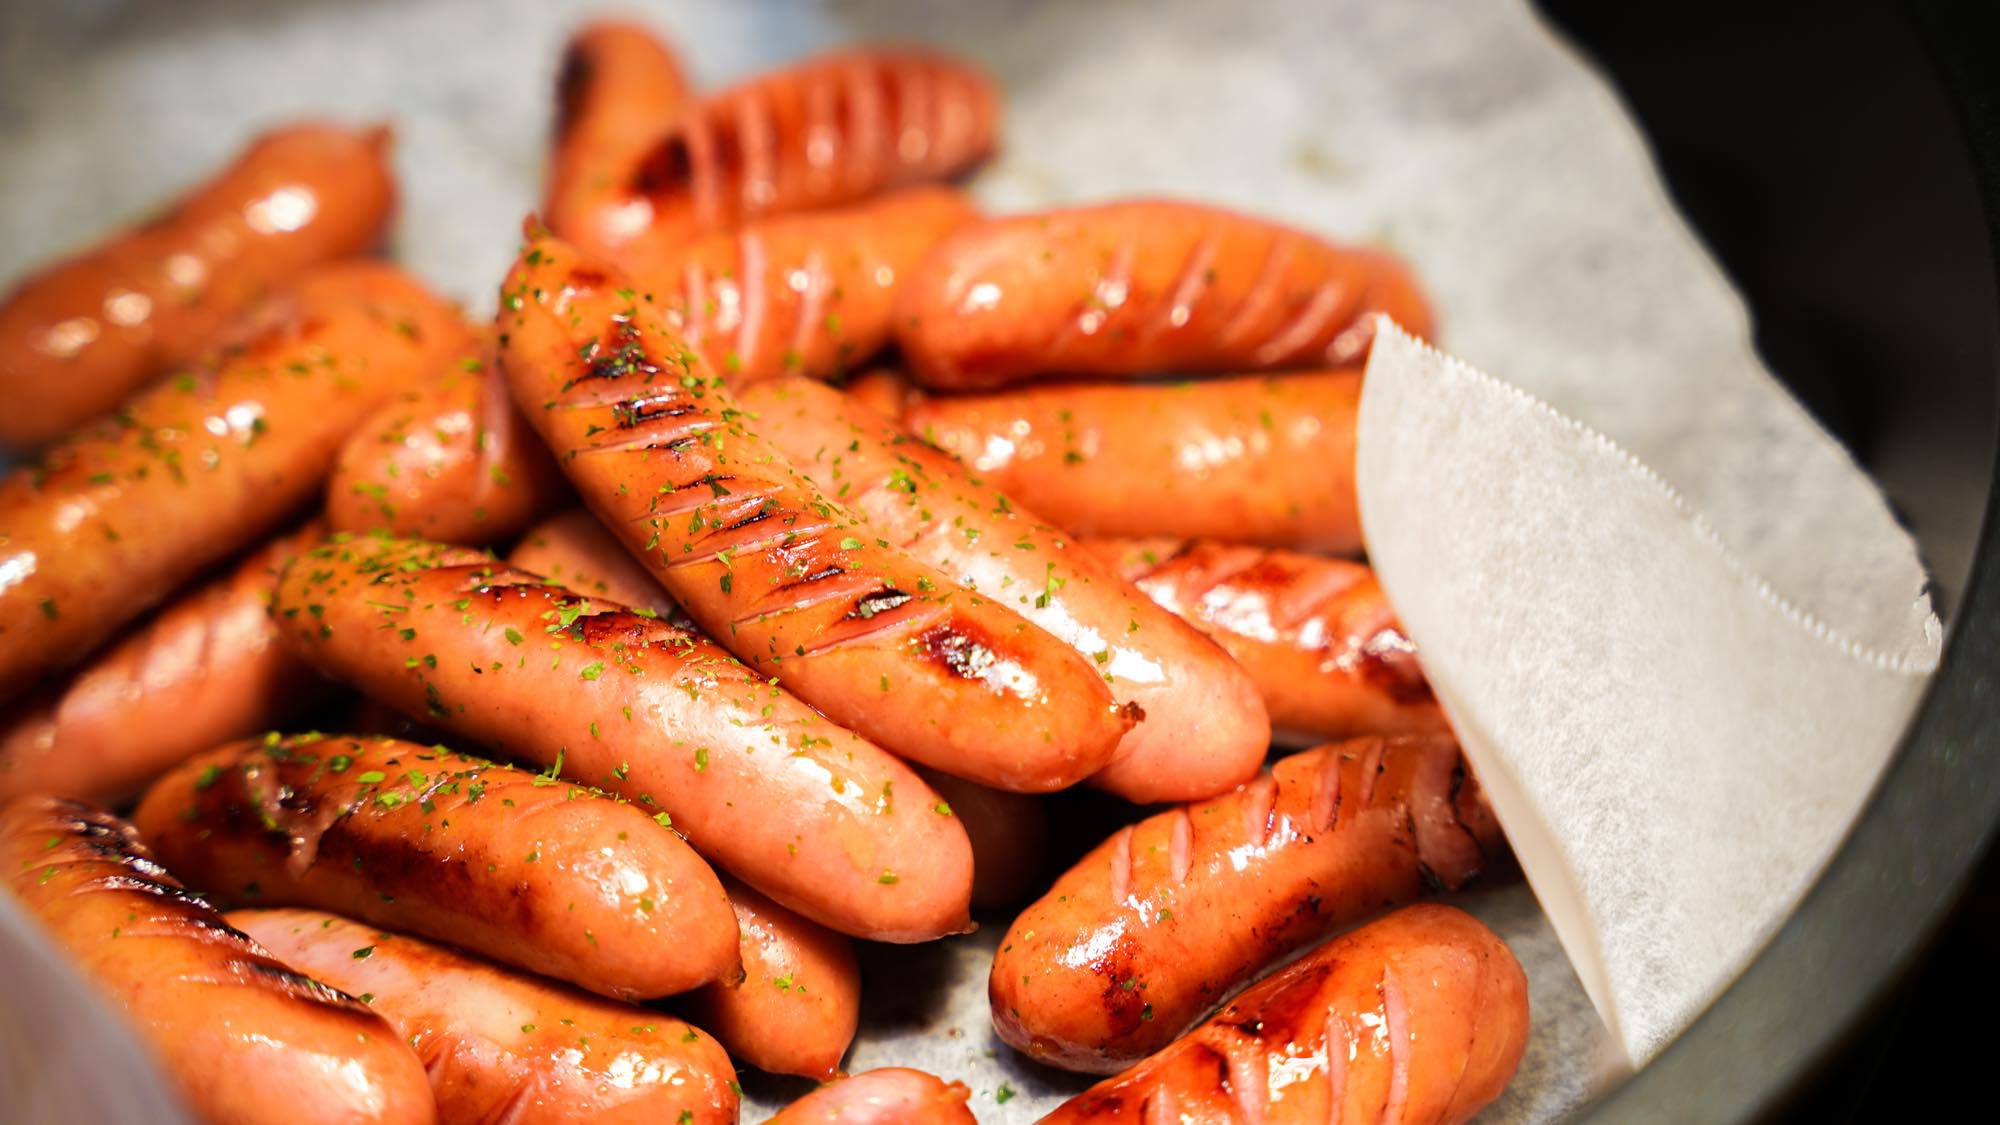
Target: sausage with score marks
202	466
206	670
1153	927
572	550
891	1095
516	866
1140	288
245	1038
791	582
451	461
1265	459
1205	728
618	93
501	1045
1316	635
809	813
808	294
1421	1016
800	999
827	131
80	335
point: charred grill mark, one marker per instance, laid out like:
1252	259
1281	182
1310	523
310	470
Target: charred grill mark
166	889
881	601
574	79
634	412
956	649
757	515
667	168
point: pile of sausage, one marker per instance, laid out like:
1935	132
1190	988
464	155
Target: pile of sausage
783	649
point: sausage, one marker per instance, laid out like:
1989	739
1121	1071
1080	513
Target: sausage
519	867
245	1038
1421	1016
200	467
501	1045
1205	729
890	1095
450	461
1318	636
1144	287
574	551
792	583
1009	834
827	131
618	91
208	669
1158	923
80	335
800	1000
808	294
1251	459
811	814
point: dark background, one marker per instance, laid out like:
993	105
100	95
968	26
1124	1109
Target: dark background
1817	152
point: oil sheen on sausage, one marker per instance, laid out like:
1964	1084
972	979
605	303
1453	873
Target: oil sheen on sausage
794	584
1163	920
248	1040
1421	1016
501	1045
524	868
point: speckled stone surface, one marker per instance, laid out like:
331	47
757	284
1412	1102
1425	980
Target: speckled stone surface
1460	133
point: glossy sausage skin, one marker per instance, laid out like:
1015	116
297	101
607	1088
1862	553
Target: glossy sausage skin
450	461
1419	1017
79	336
572	550
202	466
794	584
891	1095
1248	459
1009	834
1205	727
618	92
207	669
246	1038
809	813
800	998
512	865
829	131
1317	635
809	294
1147	932
1140	288
502	1045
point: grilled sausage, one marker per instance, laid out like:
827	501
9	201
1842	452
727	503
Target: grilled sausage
809	813
1317	635
80	335
501	1045
450	461
828	131
1139	288
201	467
1419	1017
1251	459
574	551
207	669
808	294
789	581
1205	728
245	1038
891	1095
618	92
512	865
1009	834
1147	932
800	1000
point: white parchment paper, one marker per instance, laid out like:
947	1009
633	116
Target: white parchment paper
1460	132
